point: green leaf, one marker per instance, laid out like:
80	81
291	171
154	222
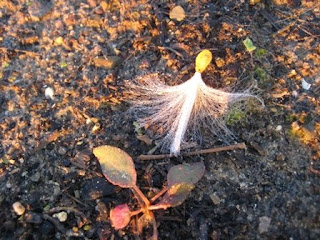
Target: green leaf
63	64
185	173
137	128
176	195
117	166
249	45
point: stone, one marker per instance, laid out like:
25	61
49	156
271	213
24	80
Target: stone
264	223
215	199
18	208
61	216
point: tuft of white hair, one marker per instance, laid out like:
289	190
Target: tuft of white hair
188	107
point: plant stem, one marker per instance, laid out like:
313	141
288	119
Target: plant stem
158	206
154	225
159	194
136	212
144	202
210	150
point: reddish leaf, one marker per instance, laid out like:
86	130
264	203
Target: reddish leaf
117	166
185	173
120	216
176	195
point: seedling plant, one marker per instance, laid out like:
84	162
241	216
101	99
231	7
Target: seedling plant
118	168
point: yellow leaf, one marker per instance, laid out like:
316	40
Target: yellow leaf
203	60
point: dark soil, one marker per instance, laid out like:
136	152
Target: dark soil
85	50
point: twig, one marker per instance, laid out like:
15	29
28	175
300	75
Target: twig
270	19
172	50
55	222
69	209
313	170
76	200
30	53
204	151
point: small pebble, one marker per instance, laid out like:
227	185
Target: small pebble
215	199
278	128
305	85
220	62
62	151
264	223
62	216
58	41
56	189
49	93
35	177
18	208
280	157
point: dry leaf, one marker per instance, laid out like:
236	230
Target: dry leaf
144	138
177	13
108	63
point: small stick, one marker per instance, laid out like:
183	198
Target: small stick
30	53
315	171
75	199
210	150
68	209
55	222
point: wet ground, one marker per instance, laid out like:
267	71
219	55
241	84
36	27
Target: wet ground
63	69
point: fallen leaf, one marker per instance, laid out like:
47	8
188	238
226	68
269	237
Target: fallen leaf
109	62
203	60
58	41
249	44
177	13
144	138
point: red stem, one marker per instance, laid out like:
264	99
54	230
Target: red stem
159	206
144	202
159	194
136	212
154	225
